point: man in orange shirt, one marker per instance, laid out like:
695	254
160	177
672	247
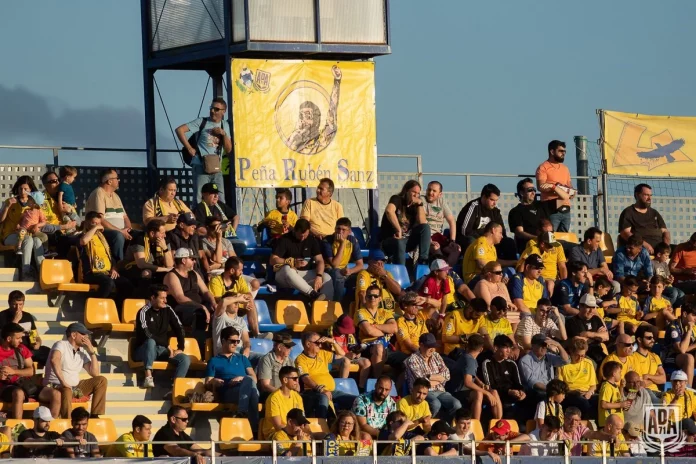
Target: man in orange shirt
553	181
683	266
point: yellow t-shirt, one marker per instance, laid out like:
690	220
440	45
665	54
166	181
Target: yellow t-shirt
317	368
620	447
480	249
658	304
322	218
686	404
580	376
277	216
625	365
644	365
450	297
127	448
347	252
277	404
409	330
456	324
500	327
381	316
365	280
4	447
628	306
101	262
611	394
532	292
413	411
217	286
551	258
285	442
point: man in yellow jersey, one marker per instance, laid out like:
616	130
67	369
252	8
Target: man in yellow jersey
376	326
528	287
295	430
496	323
412	325
280	402
342	249
684	399
617	447
461	323
624	349
127	445
646	363
482	251
375	274
415	407
552	255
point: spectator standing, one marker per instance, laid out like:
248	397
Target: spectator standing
610	399
404	226
568	292
524	218
551	406
590	254
164	206
538	367
298	263
322	212
528	287
39	433
437	211
62	376
551	252
127	445
554	183
270	364
175	431
212	140
152	325
342	249
372	408
211	206
642	220
16	366
231	376
105	201
88	446
16	313
472	390
588	325
427	363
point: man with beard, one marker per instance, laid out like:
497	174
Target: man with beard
553	180
646	363
437	212
586	323
641	219
372	407
524	218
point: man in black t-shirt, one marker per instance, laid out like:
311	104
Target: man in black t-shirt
148	258
16	313
404	225
175	430
589	325
185	236
299	264
524	218
641	219
40	433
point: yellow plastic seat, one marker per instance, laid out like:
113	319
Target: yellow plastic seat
325	314
131	307
352	309
293	314
184	387
192	350
477	429
27	423
101	313
57	275
607	247
319	426
61	425
235	428
531	425
570	237
514	427
208	349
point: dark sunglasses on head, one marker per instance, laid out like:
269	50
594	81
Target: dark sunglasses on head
372	297
215	109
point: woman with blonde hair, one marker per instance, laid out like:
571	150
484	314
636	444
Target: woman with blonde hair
345	438
492	285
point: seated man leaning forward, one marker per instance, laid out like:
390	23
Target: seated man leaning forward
299	264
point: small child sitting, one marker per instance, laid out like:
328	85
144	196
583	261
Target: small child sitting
661	268
343	332
33	219
555	394
655	304
281	220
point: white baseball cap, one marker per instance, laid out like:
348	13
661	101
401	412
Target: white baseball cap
43	413
588	300
679	375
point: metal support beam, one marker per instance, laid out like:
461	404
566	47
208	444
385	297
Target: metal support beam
149	100
582	165
373	218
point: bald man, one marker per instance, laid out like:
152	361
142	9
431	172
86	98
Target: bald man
618	447
624	349
641	397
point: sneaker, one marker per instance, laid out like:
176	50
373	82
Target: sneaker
148	382
316	296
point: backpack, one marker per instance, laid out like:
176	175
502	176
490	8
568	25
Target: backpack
193	141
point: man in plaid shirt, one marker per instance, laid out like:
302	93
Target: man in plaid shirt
428	364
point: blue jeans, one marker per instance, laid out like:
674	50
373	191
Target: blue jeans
117	243
150	351
674	295
560	222
30	246
396	248
443	400
317	404
200	178
246	396
339	281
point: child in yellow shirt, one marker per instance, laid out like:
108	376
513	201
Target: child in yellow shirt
657	305
281	220
610	397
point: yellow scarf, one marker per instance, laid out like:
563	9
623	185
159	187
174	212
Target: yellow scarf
158	205
96	264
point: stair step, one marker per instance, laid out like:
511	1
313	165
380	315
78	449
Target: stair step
25	287
8	274
133	408
30	301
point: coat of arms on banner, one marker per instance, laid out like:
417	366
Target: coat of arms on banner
662	429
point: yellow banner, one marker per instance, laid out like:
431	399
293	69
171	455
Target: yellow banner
645	145
296	122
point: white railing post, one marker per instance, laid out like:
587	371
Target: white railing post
413	452
212	451
274	452
374	451
604	452
314	451
473	451
507	452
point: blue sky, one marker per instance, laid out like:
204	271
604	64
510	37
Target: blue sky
472	86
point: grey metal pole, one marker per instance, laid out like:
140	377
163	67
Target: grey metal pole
582	165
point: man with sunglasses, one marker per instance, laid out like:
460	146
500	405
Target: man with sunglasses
646	363
376	326
231	376
524	218
105	201
553	180
587	324
213	140
54	226
175	431
624	349
282	401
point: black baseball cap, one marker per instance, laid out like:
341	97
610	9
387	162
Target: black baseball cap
210	187
297	415
187	218
534	260
442	426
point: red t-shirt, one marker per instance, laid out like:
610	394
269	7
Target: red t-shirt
434	289
8	358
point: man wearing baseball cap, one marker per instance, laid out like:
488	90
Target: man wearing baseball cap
62	376
185	236
684	399
500	431
551	253
270	364
586	323
296	429
375	274
440	431
39	433
528	287
211	206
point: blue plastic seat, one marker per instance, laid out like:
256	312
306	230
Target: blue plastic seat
422	270
400	274
296	350
245	233
264	236
370	385
347	386
261	345
265	322
358	234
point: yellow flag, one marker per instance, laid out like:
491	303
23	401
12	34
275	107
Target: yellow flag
296	122
639	144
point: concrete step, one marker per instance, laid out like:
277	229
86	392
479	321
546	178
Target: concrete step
132	408
45	313
30	301
25	287
8	274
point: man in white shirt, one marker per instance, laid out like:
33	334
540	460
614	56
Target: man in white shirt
62	376
537	445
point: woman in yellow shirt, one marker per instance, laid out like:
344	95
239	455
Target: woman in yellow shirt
581	378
